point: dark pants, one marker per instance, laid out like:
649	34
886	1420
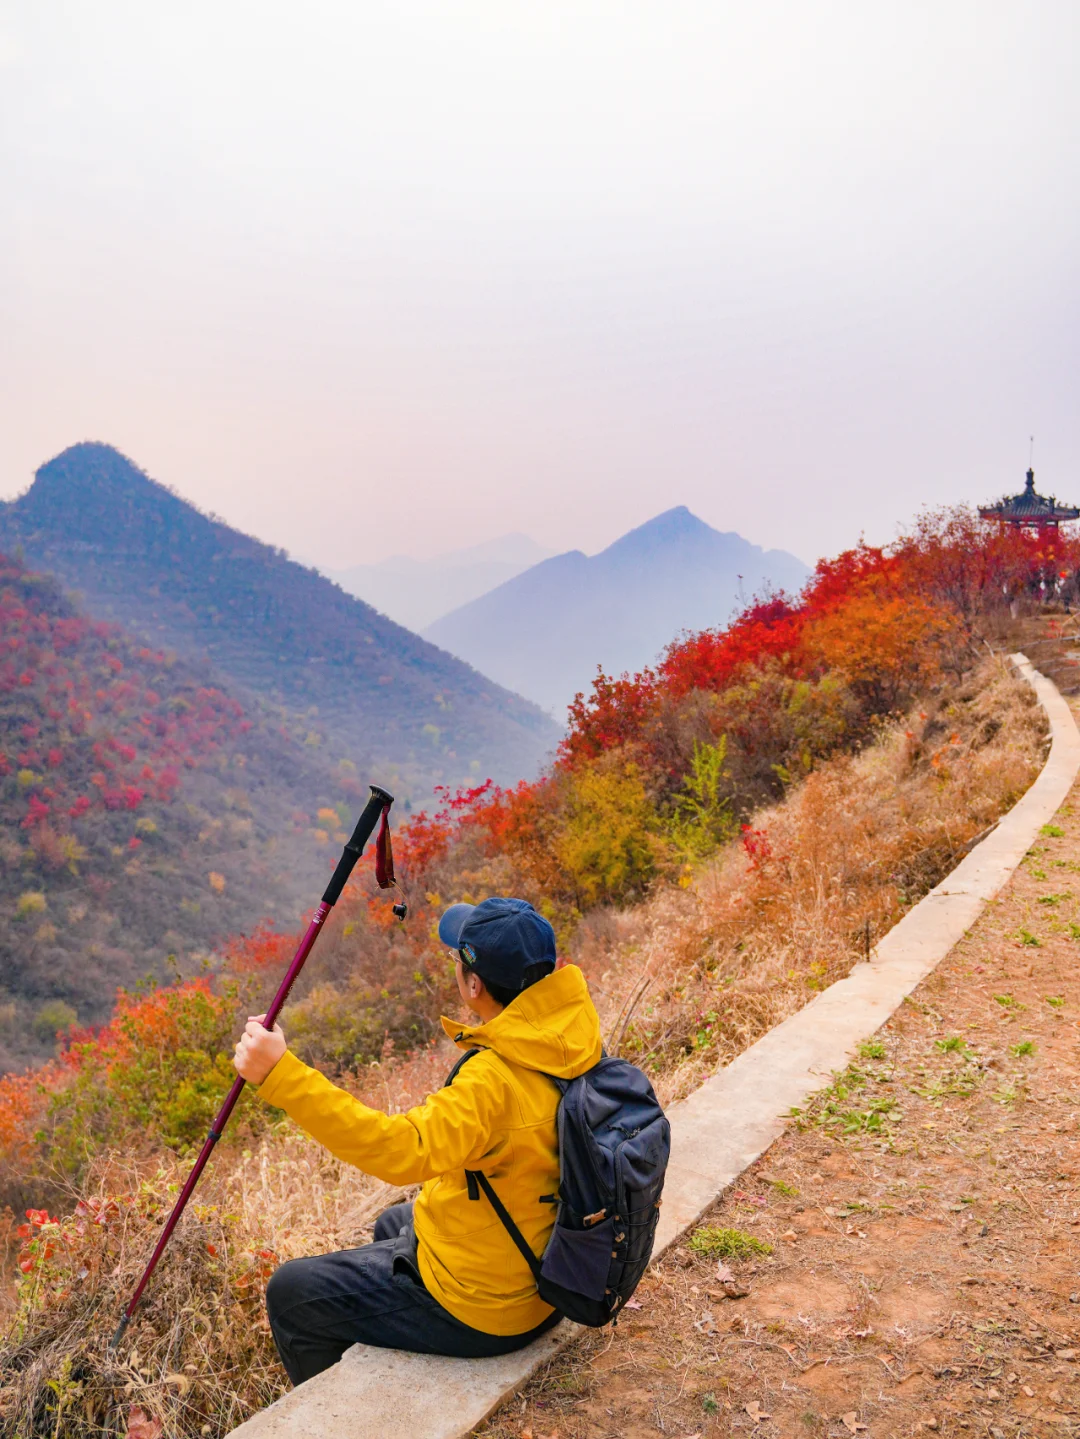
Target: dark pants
371	1295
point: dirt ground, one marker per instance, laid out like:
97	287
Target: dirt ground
923	1219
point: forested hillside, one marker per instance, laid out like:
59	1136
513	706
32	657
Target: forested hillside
354	682
144	811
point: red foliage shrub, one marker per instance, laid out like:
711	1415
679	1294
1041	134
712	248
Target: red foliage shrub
883	617
37	811
427	837
713	659
612	715
756	844
264	949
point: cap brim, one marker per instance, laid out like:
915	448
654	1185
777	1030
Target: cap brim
453	922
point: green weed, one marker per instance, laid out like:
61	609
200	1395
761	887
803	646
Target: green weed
871	1049
1021	1050
705	1036
712	1243
830	1110
1026	937
1055	1001
1052	831
962	1082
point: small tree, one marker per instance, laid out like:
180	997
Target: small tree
703	818
606	845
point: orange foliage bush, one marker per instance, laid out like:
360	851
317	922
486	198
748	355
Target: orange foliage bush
23	1101
887	644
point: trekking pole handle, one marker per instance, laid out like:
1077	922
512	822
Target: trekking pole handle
379	802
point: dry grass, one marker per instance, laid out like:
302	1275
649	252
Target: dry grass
198	1358
693	976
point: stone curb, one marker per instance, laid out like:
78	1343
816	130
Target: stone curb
720	1129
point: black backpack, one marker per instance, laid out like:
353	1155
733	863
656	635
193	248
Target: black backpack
614	1143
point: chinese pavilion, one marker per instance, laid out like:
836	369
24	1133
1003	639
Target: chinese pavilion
1030	509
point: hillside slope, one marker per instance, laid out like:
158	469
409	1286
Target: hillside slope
143	812
353	679
544	632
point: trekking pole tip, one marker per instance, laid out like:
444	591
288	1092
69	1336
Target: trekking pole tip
114	1342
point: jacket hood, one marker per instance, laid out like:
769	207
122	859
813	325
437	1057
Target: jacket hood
552	1027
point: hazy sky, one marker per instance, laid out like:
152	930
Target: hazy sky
366	278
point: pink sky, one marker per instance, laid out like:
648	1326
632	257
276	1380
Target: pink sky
371	278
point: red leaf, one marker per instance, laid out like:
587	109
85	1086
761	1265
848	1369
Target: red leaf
141	1425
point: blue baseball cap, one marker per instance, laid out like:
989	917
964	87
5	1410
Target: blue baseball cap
500	938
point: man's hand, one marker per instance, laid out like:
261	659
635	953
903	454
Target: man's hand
258	1049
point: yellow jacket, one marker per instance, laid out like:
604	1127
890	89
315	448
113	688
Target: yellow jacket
498	1116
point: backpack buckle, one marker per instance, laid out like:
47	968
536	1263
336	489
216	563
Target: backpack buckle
590	1219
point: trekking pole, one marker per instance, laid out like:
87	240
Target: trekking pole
377	806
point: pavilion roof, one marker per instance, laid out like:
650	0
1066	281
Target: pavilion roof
1029	508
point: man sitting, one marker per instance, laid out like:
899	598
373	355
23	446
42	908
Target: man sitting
443	1275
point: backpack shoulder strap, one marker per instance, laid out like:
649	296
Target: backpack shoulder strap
507	1223
475	1178
463	1059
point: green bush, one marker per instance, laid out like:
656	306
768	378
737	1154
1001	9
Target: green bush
31	901
158	1072
52	1017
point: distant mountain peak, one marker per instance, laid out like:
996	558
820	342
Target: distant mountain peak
111	491
545	631
670	526
91	463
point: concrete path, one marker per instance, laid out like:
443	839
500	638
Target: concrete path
716	1133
